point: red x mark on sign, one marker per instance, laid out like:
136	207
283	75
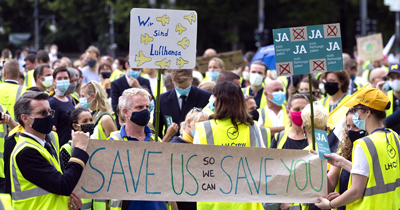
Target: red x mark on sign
318	65
331	30
284	68
298	34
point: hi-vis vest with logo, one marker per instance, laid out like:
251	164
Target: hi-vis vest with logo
25	194
383	186
9	96
222	132
267	121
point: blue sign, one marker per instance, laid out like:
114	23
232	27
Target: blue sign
322	143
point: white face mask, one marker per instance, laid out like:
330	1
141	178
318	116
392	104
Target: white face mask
256	79
115	66
273	74
321	87
53	51
48	81
395	85
245	75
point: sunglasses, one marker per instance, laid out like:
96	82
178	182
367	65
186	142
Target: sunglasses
45	112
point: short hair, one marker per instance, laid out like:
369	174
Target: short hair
11	67
95	88
207	85
79	72
320	117
314	82
195	82
42	56
107	58
125	100
74	116
249	55
227	76
122	62
350	64
261	64
61	69
181	75
194	115
343	77
23	104
35	89
39	70
168	82
30	57
93	49
220	62
72	72
67	60
5	53
294	97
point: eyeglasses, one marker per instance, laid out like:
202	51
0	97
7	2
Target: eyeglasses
45	112
196	109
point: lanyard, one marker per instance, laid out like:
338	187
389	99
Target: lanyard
382	129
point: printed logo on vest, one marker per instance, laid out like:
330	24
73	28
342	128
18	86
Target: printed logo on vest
232	133
391	151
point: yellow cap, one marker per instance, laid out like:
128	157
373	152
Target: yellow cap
370	97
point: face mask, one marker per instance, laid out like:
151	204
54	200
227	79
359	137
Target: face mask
140	118
134	74
354	135
321	87
295	117
106	75
183	92
42	125
91	63
386	86
115	66
84	103
278	98
71	89
353	78
395	85
87	128
211	103
48	81
359	123
256	79
53	51
254	114
213	75
193	132
356	57
246	75
273	74
151	105
331	88
62	85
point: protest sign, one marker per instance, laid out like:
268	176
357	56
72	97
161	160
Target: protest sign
370	48
162	39
232	61
129	170
308	49
322	143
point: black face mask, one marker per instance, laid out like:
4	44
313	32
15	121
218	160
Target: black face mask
106	75
42	125
141	118
87	128
354	135
254	114
331	88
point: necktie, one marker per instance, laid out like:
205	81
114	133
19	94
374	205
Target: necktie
183	97
50	149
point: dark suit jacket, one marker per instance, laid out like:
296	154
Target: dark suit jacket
169	106
118	87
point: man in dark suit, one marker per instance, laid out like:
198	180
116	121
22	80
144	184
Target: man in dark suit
177	102
131	79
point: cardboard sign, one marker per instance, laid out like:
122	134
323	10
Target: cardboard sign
185	172
322	143
308	49
162	39
370	48
232	61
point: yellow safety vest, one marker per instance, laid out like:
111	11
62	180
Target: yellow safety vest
298	206
208	110
281	137
75	95
5	202
98	131
25	194
116	74
327	101
222	132
266	136
383	185
263	101
9	95
3	133
390	96
29	79
267	121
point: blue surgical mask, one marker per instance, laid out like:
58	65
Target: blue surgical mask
359	123
62	85
91	63
193	132
278	98
134	74
353	77
211	103
151	105
183	92
84	103
213	75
